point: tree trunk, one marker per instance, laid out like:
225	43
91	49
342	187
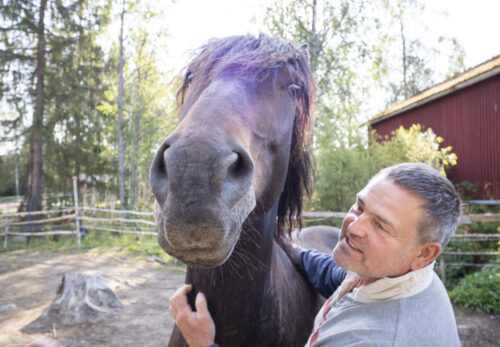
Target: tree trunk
313	51
16	172
35	189
80	298
405	59
135	157
137	128
131	108
313	56
121	145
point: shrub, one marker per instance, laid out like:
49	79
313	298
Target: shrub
346	160
479	290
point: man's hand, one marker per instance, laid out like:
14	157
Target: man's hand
44	342
197	326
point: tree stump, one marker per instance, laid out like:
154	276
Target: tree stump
80	298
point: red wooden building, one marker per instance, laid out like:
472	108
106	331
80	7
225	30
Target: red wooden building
465	112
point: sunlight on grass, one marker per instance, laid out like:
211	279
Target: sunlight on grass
139	245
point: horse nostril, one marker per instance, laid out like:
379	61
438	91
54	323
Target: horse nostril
163	166
238	176
239	167
158	176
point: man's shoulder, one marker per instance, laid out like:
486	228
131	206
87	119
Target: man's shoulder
427	317
432	297
360	324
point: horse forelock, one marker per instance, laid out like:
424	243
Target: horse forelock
254	59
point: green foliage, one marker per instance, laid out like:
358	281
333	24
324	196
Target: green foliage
80	104
415	145
466	189
342	169
465	264
7	173
415	66
332	31
70	127
346	163
75	86
479	290
336	34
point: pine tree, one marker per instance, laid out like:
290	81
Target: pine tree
36	56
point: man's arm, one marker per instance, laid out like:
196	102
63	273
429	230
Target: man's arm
319	268
197	327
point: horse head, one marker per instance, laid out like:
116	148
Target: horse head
241	147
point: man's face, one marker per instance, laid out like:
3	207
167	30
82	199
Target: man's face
378	237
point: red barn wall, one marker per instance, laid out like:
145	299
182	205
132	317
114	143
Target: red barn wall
469	121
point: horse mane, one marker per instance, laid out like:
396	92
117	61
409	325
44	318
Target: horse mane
254	59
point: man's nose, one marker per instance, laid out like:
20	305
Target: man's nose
358	226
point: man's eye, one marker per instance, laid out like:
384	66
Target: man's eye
358	208
379	226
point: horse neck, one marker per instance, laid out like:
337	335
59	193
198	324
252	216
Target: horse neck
236	291
254	294
249	263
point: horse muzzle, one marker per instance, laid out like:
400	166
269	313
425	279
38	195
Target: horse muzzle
204	192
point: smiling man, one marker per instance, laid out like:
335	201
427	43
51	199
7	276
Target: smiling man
388	243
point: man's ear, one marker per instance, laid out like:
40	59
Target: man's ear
425	254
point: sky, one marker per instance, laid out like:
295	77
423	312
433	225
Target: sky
190	23
476	24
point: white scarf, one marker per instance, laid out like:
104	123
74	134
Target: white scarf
388	288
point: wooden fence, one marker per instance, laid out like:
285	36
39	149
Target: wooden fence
76	219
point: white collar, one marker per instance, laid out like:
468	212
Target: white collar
388	288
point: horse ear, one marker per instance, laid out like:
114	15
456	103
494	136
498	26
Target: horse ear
304	50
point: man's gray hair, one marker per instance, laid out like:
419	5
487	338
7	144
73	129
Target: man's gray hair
442	202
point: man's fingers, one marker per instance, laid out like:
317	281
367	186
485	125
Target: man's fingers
179	296
44	342
173	311
183	290
198	328
178	301
201	305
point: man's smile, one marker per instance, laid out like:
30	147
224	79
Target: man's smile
348	241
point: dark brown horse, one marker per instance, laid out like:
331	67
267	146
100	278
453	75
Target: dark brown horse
229	182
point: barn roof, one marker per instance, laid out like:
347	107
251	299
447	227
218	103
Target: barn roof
472	76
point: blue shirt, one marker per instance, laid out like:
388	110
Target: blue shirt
322	271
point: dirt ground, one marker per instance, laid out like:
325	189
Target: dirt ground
29	281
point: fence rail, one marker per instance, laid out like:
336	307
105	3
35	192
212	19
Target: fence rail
139	213
76	215
464	219
122	220
36	213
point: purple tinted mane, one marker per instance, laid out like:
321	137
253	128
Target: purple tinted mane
255	60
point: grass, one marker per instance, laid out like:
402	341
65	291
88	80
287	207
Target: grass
138	245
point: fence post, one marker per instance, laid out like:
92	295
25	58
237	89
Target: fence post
5	234
77	219
442	265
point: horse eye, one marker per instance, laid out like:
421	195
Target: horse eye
294	89
189	76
